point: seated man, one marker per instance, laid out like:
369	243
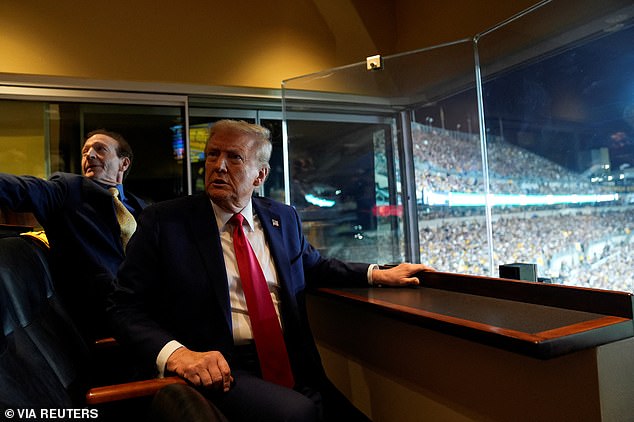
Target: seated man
79	217
225	309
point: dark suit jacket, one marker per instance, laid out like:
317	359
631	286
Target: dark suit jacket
173	284
81	225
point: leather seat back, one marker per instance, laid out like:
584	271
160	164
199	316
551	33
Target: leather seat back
42	355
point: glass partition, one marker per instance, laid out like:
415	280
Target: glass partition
558	100
340	186
515	145
356	153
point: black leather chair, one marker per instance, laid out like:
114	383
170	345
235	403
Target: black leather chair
44	361
42	356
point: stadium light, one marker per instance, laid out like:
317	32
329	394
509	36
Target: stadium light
464	199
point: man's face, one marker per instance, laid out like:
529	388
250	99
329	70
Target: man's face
232	171
99	160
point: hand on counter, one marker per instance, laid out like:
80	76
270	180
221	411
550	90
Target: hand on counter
400	275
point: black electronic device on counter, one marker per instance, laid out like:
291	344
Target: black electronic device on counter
519	271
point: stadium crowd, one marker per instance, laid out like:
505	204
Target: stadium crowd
561	239
560	244
447	163
460	245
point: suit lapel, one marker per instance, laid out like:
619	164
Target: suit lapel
96	199
204	232
273	228
99	198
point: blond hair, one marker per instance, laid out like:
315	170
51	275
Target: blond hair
260	134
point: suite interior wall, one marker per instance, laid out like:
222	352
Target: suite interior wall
247	43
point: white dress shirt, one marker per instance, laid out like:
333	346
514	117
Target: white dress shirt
253	229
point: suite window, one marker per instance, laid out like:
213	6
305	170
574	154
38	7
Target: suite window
40	137
342	184
558	147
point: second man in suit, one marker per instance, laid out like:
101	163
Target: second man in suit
77	213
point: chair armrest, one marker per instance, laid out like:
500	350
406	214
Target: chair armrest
106	343
129	390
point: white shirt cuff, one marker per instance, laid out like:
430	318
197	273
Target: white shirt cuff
370	268
164	354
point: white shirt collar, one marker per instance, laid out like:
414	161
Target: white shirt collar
222	216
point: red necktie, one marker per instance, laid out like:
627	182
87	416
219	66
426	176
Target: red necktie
267	332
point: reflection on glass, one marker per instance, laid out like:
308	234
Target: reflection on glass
339	184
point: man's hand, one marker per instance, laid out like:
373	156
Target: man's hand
207	369
401	275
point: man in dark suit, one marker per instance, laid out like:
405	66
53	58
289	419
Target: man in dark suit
179	300
77	213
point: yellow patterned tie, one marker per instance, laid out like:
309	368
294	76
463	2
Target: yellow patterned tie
127	223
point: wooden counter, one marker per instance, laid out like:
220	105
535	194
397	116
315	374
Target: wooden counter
536	319
470	348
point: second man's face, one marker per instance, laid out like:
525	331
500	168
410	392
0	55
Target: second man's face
100	162
232	171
